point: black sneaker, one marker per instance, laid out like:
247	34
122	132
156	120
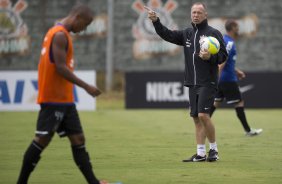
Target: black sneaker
195	158
213	156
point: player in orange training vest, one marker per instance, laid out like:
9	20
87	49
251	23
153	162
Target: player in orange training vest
55	86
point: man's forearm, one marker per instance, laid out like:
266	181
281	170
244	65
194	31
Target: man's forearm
67	74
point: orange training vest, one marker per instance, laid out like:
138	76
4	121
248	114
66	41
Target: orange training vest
52	87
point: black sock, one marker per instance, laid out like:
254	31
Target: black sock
31	158
82	160
212	110
242	117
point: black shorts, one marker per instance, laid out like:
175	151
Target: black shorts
201	99
62	119
229	91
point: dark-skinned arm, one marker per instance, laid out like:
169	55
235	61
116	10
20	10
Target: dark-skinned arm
59	45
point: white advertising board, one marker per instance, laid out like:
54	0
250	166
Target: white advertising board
18	91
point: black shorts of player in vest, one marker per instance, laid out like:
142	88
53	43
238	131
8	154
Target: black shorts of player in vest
62	119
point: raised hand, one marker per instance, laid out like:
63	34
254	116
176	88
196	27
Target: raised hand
151	14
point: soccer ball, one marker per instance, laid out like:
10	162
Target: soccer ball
211	44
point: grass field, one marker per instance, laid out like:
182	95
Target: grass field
147	146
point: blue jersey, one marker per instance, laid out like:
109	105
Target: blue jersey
228	73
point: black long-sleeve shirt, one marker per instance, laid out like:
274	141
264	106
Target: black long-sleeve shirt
197	71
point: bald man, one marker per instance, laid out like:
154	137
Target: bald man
201	72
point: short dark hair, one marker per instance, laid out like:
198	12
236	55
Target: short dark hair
201	3
229	24
81	9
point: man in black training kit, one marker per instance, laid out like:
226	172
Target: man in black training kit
201	74
228	80
55	95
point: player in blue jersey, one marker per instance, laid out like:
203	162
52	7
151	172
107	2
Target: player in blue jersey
228	87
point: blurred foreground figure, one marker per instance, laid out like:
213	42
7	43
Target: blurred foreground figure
55	95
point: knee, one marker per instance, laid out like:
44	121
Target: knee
43	141
81	139
77	139
216	104
204	117
240	104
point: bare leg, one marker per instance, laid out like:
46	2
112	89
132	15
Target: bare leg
210	133
200	131
208	126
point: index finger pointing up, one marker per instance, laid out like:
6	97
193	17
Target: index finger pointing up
149	9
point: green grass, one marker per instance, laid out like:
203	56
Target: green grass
147	146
